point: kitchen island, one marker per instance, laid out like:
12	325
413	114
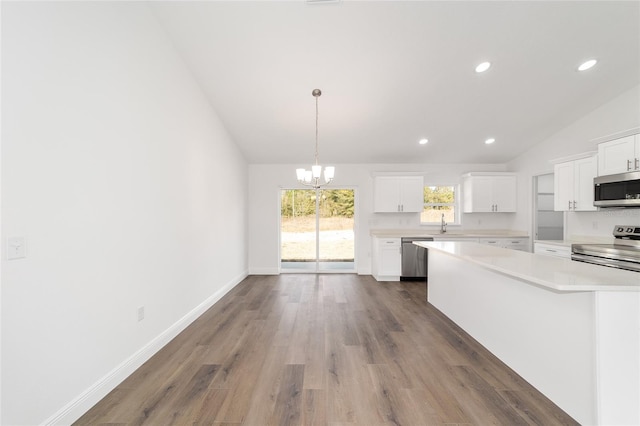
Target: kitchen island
570	329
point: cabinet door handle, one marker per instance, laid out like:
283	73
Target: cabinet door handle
628	165
637	163
496	207
574	205
569	204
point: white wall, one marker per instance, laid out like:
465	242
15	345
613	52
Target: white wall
128	189
618	115
266	181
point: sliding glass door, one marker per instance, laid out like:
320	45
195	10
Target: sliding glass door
317	230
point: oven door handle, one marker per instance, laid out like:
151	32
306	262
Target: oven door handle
620	264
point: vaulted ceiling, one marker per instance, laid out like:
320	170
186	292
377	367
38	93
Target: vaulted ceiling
394	72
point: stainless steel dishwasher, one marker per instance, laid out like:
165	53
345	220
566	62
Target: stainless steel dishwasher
414	259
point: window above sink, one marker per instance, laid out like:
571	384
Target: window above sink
439	200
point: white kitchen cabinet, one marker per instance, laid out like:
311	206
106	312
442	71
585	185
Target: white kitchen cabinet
398	194
573	184
504	193
489	192
521	243
563	251
619	155
387	259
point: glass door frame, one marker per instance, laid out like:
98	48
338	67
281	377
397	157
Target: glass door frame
316	269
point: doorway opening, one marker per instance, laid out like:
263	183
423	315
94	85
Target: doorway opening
548	224
317	230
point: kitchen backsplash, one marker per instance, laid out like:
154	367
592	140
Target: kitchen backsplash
600	223
472	221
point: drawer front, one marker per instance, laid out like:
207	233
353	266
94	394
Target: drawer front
550	250
519	247
389	242
521	244
497	242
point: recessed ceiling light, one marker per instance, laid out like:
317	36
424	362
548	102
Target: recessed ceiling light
423	141
585	66
489	141
483	67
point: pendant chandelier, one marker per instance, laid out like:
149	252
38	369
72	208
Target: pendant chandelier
312	177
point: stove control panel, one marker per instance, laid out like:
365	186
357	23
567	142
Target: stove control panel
630	231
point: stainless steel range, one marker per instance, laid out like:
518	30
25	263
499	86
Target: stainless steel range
624	253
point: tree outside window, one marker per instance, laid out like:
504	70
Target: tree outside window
439	200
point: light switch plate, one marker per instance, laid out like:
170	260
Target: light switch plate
16	248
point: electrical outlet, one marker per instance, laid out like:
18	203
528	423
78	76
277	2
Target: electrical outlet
16	248
140	313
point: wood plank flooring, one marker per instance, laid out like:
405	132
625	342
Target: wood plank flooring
324	350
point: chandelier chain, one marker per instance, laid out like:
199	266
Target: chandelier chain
317	128
312	177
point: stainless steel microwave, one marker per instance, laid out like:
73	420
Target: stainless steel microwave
621	190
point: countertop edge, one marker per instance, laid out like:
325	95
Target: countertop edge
399	233
578	240
564	288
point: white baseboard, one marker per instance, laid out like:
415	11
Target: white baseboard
87	399
264	271
276	271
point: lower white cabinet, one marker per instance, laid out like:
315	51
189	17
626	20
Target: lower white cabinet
521	244
552	250
387	259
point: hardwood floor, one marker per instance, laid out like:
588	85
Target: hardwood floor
324	350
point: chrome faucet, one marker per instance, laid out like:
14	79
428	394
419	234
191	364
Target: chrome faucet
443	225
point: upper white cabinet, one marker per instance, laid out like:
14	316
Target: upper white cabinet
489	192
398	194
619	155
573	184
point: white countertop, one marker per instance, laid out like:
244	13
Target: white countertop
454	233
578	240
546	271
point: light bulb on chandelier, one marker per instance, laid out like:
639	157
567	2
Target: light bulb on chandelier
312	177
